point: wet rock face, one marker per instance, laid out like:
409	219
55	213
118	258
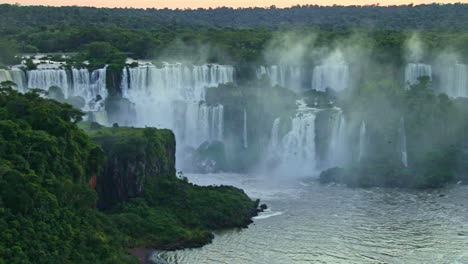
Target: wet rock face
134	155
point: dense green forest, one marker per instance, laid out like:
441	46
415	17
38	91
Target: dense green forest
222	35
49	168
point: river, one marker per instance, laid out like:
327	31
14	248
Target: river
311	223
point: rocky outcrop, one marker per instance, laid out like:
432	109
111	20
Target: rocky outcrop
133	155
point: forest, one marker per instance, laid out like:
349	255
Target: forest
54	177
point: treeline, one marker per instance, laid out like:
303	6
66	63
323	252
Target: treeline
202	34
405	17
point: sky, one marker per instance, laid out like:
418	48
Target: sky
214	3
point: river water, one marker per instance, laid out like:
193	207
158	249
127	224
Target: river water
311	223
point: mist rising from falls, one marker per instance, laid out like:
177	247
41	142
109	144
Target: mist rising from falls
454	80
335	77
333	73
173	97
337	146
415	70
287	76
295	153
403	149
362	141
244	132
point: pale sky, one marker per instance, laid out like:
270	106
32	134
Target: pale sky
214	3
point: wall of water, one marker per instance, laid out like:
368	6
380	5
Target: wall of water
288	76
14	75
415	70
453	80
173	96
333	76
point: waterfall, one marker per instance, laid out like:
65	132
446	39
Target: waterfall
336	155
46	78
173	96
89	86
415	70
287	76
334	76
14	75
244	134
274	136
333	73
454	80
295	152
362	141
403	151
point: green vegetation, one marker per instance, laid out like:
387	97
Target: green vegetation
220	35
48	167
436	137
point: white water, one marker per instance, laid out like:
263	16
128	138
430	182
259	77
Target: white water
295	153
454	80
44	79
287	76
362	141
244	132
333	76
333	73
173	97
403	150
14	75
337	147
415	70
88	86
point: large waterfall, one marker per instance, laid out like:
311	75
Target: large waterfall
362	141
333	76
287	76
332	73
14	75
295	153
454	80
415	70
89	86
244	132
46	78
403	150
337	145
172	96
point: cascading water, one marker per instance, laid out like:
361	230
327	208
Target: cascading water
295	152
336	154
244	132
274	136
287	76
335	77
403	150
362	141
454	80
90	86
333	73
415	70
173	97
14	75
46	78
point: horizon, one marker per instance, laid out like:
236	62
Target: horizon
205	4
